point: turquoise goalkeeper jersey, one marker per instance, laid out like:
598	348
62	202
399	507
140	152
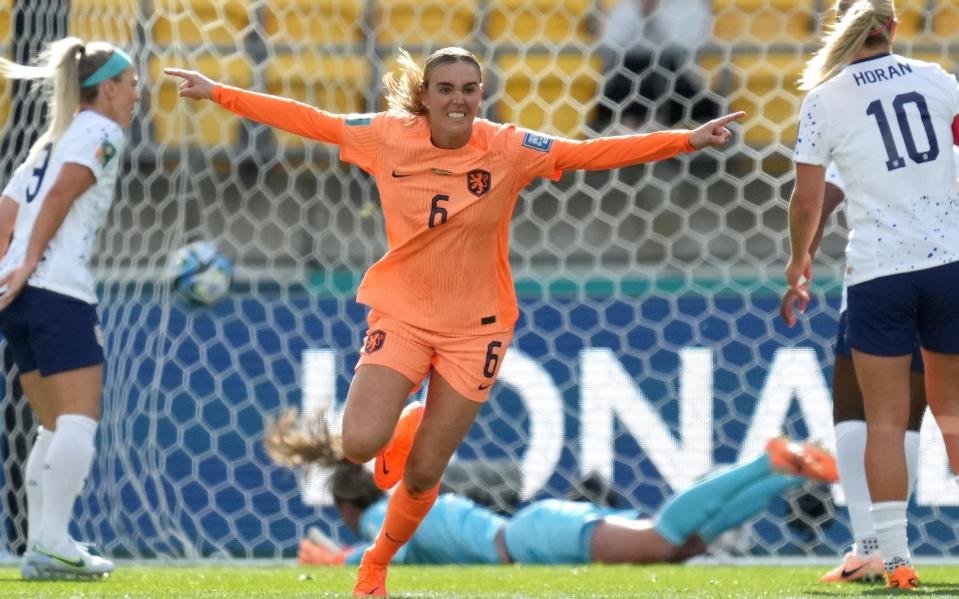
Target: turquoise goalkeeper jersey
456	531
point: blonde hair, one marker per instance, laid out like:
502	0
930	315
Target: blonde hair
291	445
403	91
296	445
859	23
60	69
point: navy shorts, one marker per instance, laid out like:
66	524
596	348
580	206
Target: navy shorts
887	314
843	349
51	332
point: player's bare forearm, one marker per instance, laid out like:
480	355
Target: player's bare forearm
832	197
805	207
8	219
74	180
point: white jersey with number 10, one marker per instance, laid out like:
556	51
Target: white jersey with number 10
886	123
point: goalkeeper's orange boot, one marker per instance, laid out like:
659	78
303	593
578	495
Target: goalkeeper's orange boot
903	577
390	463
855	568
370	581
808	460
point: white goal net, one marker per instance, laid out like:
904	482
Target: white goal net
649	351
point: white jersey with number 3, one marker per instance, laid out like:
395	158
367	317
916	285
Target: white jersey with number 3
886	123
94	141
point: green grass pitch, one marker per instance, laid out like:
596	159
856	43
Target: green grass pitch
505	582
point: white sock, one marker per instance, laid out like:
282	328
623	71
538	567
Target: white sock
851	461
34	480
68	463
889	520
912	459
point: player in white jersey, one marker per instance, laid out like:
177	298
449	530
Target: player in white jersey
50	213
887	122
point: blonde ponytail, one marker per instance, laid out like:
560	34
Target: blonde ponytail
864	23
59	69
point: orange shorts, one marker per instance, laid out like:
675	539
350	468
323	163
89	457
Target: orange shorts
470	363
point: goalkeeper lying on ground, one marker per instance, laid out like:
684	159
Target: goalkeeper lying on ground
552	531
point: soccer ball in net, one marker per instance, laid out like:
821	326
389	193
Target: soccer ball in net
201	274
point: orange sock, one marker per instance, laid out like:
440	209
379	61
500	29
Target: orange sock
403	516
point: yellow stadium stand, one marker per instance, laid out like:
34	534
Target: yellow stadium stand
539	21
108	20
550	94
6	27
765	21
183	122
197	22
315	21
765	86
912	19
945	20
433	23
334	83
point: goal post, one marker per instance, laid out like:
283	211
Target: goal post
649	350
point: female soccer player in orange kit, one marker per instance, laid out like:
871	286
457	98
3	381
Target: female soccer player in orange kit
442	299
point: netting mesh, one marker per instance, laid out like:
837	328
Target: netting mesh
648	352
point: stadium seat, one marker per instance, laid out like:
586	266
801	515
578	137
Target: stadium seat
315	21
179	122
332	82
912	19
6	31
432	23
945	20
109	20
766	21
766	88
547	22
198	22
553	94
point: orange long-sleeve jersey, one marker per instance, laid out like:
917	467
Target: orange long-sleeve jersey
447	212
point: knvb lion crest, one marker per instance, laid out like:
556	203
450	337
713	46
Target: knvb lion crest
478	182
373	341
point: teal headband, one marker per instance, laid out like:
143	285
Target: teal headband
118	62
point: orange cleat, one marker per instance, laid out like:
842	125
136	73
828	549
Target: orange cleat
903	577
808	460
390	463
311	554
370	581
855	568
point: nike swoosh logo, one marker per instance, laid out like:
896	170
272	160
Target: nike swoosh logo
398	175
486	386
392	539
847	573
385	469
73	563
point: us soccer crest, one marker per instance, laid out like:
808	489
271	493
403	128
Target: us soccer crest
478	182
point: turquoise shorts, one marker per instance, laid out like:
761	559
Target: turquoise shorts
554	531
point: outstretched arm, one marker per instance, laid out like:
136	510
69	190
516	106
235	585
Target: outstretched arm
615	152
289	115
